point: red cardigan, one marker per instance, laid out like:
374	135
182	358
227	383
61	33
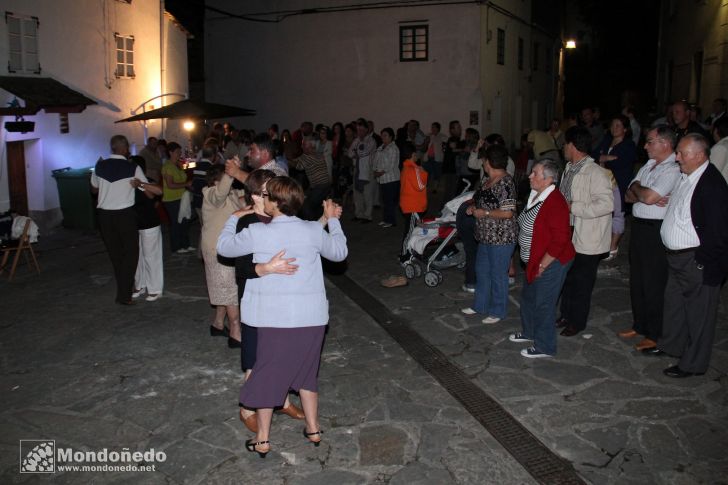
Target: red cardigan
551	234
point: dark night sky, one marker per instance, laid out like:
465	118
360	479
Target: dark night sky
617	52
620	59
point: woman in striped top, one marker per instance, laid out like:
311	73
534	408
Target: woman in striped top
546	249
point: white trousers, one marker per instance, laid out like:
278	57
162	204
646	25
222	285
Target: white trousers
150	268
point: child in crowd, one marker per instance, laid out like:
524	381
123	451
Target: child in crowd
412	193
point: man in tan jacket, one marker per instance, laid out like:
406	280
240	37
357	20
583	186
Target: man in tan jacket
588	190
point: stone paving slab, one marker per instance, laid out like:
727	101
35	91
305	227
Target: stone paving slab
90	374
600	404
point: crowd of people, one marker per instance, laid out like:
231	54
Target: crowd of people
557	206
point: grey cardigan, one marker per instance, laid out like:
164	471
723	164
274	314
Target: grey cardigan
285	301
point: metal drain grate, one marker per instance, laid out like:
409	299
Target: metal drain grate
544	465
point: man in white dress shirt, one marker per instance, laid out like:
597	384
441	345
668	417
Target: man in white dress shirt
647	261
695	235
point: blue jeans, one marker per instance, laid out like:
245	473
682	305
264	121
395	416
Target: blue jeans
538	306
491	287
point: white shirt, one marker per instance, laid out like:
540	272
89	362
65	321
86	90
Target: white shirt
719	156
113	179
662	178
534	197
677	229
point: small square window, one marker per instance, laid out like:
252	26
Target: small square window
414	43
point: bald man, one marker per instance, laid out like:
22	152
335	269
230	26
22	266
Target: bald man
695	235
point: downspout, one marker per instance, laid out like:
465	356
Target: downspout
162	70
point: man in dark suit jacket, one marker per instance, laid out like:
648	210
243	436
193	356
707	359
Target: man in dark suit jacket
695	234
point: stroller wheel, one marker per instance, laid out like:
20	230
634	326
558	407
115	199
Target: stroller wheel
418	269
431	279
439	275
409	271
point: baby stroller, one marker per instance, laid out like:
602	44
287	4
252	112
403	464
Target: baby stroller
437	232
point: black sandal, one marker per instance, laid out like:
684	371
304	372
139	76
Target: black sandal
315	433
250	445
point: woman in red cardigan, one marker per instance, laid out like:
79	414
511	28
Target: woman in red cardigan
546	249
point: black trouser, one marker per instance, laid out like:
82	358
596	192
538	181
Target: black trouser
121	238
390	198
578	287
179	232
312	205
466	230
691	310
647	276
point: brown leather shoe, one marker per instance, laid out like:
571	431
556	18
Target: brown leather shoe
251	422
569	331
646	343
293	411
629	333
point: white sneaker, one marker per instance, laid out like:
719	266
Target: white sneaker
182	251
191	248
386	225
138	293
154	297
468	311
491	320
381	223
468	289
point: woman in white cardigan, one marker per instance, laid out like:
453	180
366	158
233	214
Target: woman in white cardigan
290	312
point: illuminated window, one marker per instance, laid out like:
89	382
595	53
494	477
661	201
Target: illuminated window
22	44
413	43
124	56
501	49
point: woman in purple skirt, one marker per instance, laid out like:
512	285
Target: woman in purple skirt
290	312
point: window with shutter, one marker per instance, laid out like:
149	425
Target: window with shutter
23	54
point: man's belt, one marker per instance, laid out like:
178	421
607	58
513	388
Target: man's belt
679	251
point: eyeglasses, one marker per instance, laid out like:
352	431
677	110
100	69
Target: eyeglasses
264	194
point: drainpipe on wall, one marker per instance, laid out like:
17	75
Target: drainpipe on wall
162	70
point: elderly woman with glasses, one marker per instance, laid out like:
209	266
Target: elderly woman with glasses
289	311
546	249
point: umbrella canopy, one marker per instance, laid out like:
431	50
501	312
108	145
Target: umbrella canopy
194	109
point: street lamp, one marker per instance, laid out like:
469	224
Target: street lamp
571	44
188	126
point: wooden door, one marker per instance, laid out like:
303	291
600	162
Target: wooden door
16	177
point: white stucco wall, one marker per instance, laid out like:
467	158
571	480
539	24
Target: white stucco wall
513	96
339	66
76	47
687	28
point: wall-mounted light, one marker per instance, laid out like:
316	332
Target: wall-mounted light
571	44
188	125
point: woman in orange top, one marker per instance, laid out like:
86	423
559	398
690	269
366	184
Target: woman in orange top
412	193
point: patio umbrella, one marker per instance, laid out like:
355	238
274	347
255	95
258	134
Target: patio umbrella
190	108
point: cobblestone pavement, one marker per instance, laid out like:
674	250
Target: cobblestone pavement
89	374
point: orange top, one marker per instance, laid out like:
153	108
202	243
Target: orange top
412	188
